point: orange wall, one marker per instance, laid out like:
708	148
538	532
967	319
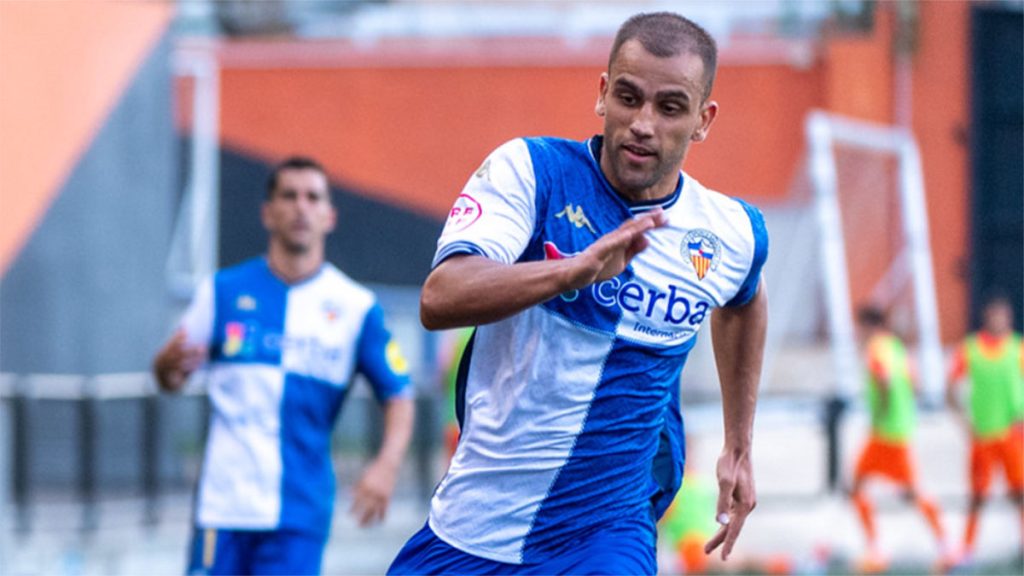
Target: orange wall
412	136
413	133
62	68
941	119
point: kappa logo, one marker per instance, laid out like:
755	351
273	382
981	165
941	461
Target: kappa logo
246	302
577	217
703	250
484	171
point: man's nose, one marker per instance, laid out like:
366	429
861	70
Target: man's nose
642	124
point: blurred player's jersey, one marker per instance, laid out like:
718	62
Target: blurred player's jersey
997	386
567	404
281	361
887	358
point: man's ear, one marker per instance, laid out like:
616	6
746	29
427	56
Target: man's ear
334	219
599	108
265	214
707	116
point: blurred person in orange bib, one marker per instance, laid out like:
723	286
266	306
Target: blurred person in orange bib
891	405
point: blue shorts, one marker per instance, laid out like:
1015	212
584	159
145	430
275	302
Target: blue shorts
221	551
608	552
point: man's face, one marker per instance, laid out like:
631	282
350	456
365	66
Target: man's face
299	214
652	109
998	318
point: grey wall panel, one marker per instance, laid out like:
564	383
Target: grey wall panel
87	294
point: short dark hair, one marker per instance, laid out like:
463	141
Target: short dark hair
667	34
996	297
291	163
872	316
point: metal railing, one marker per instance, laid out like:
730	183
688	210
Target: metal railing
96	412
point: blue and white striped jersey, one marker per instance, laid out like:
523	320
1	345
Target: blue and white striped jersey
282	358
571	415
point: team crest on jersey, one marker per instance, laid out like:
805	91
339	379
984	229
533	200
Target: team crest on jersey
703	250
464	213
245	302
577	217
331	310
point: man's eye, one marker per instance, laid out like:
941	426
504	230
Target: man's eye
627	99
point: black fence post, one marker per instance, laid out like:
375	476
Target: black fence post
150	457
424	441
87	465
835	407
20	456
427	425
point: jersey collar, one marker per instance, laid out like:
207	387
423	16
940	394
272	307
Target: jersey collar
594	149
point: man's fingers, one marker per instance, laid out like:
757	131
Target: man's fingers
371	511
732	532
715	540
726	485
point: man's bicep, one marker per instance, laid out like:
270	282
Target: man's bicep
380	358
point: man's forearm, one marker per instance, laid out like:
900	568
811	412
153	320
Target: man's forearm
738	336
398	423
473	290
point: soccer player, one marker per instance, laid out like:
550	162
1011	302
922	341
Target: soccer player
992	360
891	404
281	337
690	521
589	268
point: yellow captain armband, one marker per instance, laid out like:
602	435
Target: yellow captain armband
396	360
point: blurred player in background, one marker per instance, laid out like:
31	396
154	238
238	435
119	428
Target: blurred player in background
588	268
690	521
992	362
450	362
281	337
891	394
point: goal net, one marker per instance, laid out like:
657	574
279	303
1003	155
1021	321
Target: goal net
867	193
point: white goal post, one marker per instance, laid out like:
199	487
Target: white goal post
824	132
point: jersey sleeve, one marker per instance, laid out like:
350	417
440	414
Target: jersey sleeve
197	322
760	237
380	359
495	214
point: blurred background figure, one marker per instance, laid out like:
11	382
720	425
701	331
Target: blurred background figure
991	361
281	336
690	521
451	359
890	390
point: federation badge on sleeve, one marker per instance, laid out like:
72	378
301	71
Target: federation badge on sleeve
464	213
703	250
